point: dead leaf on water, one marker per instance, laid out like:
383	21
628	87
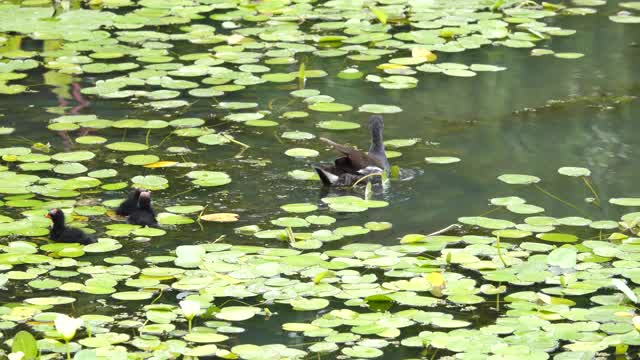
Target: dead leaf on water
220	217
161	164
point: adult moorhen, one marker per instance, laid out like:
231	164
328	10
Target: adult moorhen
356	164
61	233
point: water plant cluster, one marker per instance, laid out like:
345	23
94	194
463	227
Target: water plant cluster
556	287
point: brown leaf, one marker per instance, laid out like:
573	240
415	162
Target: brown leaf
161	164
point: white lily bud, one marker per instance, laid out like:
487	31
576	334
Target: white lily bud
189	308
67	326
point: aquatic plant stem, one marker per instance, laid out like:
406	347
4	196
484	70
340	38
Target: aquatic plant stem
241	302
165	138
146	139
365	177
234	140
190	323
301	76
200	215
491	211
593	191
68	349
286	105
557	198
290	235
425	347
184	192
450	227
433	356
184	110
275	134
157	298
527	2
500	252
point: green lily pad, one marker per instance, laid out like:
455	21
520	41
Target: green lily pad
625	201
574	171
301	152
173	219
299	208
379	109
442	160
127	146
338	125
141	159
330	107
517	179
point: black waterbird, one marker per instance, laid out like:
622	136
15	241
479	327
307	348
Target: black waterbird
356	164
143	214
130	204
59	232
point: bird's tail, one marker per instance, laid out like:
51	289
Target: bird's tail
327	178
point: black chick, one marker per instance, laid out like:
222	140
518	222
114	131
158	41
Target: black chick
130	204
143	214
61	233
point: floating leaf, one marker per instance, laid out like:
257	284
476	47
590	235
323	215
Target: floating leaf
568	55
140	159
297	135
237	313
379	109
185	209
442	160
625	19
524	208
220	217
209	178
574	171
517	179
564	257
301	152
558	237
127	146
338	125
625	201
173	219
330	107
70	168
299	207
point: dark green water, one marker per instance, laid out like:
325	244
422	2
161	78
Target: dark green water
538	115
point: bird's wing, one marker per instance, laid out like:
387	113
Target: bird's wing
346	150
354	159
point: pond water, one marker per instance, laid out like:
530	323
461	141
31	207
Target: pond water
540	114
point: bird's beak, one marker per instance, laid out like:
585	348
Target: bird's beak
48	216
